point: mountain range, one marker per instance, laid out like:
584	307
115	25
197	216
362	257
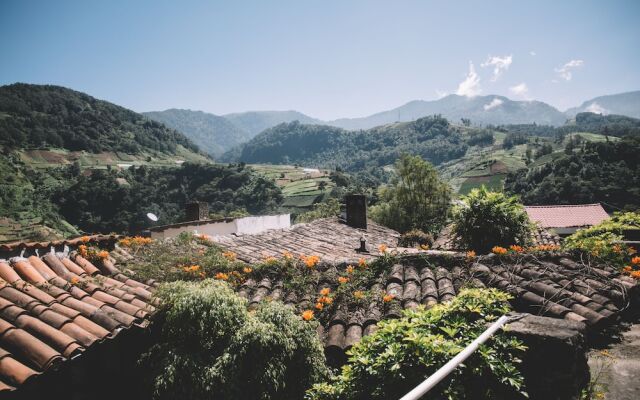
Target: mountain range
218	134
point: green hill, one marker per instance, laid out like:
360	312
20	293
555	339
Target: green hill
212	133
45	116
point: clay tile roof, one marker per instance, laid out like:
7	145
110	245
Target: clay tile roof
553	286
567	216
55	307
328	238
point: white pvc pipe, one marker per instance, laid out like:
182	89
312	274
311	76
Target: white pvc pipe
446	369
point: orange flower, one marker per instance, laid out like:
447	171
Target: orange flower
85	239
471	254
307	315
499	250
635	274
103	255
349	269
516	248
388	297
230	255
325	291
222	276
310	261
82	250
247	270
362	263
192	268
325	300
287	255
270	260
635	260
358	294
74	280
627	268
343	280
319	306
382	248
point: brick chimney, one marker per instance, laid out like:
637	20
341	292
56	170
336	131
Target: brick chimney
357	211
197	211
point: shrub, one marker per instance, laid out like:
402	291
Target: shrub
329	208
489	219
404	352
603	242
212	347
416	237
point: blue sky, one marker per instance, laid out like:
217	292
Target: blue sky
328	59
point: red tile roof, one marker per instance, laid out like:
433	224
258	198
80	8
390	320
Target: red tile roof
55	307
567	216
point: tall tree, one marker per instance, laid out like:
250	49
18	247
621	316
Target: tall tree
416	199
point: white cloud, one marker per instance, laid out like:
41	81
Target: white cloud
533	53
441	93
596	108
494	103
470	86
499	64
520	90
565	71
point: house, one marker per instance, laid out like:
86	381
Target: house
198	221
566	219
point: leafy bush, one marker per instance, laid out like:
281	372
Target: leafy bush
416	199
489	219
603	242
212	347
404	352
415	237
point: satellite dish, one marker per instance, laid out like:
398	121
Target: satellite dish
152	217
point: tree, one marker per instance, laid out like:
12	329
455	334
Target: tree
490	219
416	199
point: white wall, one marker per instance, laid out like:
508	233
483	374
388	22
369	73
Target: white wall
246	225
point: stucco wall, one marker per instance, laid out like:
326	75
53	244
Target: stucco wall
246	225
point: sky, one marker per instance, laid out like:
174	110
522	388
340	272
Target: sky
327	59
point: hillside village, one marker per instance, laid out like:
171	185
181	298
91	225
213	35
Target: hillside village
319	201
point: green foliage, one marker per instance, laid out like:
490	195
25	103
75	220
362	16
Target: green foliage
329	208
602	242
212	347
415	237
404	352
53	116
416	199
606	172
98	203
490	219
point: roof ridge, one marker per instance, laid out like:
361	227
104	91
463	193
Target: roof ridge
565	205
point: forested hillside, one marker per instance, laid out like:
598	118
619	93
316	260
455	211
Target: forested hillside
40	203
44	116
606	172
212	133
621	103
433	138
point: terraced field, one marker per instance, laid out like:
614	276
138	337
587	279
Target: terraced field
302	187
490	166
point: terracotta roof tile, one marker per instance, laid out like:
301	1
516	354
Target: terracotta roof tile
567	216
45	318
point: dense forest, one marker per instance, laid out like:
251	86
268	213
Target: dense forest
117	201
606	172
52	116
433	138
